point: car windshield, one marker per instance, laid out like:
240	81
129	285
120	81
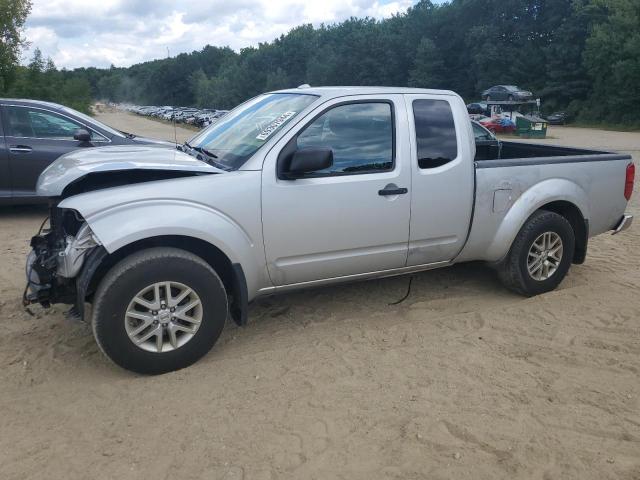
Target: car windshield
92	121
238	135
481	133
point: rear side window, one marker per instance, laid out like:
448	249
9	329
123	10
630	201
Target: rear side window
360	135
435	133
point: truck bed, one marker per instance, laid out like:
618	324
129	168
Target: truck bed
528	177
520	153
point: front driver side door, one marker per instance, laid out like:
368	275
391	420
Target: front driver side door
340	221
35	137
5	176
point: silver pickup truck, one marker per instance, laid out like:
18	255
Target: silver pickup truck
300	188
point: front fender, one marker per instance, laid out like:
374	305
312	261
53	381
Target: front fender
126	223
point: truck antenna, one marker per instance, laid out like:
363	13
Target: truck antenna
173	109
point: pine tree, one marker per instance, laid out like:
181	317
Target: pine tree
428	68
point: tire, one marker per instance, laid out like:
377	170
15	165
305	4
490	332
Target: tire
514	271
185	338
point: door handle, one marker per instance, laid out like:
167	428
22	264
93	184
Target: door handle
20	149
392	189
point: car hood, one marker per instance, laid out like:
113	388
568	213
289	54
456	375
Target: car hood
75	165
153	141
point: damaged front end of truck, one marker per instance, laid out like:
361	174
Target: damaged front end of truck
64	256
65	251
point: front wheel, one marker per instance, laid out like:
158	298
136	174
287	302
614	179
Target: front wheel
540	255
159	310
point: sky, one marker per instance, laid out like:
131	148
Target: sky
83	33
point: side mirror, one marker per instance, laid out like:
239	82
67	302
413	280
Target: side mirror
309	160
82	135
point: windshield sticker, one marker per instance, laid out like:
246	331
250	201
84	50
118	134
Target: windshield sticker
273	126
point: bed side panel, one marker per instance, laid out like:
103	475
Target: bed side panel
507	196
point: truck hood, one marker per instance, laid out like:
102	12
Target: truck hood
161	162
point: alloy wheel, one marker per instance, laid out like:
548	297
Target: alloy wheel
163	316
545	255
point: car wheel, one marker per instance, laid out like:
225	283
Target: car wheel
159	310
540	255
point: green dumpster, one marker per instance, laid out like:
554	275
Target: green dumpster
530	126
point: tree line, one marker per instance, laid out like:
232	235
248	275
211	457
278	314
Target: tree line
582	56
40	79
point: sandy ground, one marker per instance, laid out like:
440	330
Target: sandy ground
146	126
462	380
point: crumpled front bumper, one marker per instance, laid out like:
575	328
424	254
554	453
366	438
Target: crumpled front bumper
53	265
39	270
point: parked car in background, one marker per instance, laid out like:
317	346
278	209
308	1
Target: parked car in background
478	108
34	133
558	118
488	147
300	188
198	117
509	93
498	125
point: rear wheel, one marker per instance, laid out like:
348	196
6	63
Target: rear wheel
540	255
159	310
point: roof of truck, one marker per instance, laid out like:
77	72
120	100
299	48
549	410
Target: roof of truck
344	91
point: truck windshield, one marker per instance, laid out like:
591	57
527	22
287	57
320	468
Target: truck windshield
240	133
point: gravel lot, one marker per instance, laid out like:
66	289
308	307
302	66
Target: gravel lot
462	380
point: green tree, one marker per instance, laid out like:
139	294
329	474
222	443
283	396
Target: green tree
567	82
13	14
428	69
612	59
575	54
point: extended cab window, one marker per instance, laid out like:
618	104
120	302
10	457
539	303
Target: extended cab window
360	135
36	123
435	133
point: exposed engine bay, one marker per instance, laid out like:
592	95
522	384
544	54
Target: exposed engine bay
58	270
57	256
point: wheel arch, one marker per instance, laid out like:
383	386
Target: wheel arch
579	224
231	273
557	195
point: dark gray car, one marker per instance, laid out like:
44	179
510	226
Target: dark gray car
34	133
509	93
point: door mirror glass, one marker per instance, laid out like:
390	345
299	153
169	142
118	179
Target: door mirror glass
82	135
308	160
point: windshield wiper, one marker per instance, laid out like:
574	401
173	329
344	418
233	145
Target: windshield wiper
209	157
208	152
